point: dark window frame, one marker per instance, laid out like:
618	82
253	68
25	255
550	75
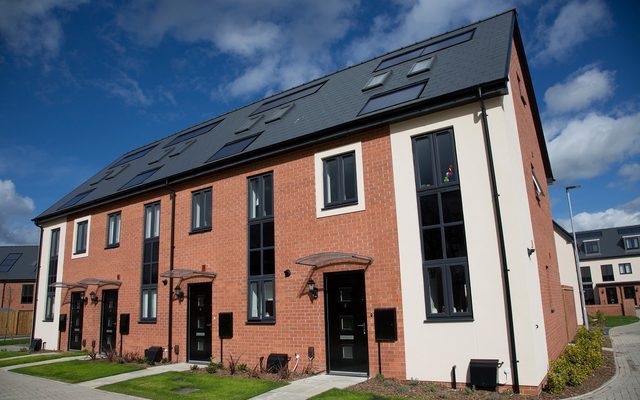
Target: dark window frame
584	275
445	263
622	268
150	262
264	219
199	197
635	239
82	233
118	216
52	275
607	277
27	298
587	246
341	195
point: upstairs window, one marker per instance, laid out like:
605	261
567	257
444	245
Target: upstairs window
201	210
340	182
607	273
113	230
624	268
27	294
82	228
591	246
631	242
150	262
586	274
52	275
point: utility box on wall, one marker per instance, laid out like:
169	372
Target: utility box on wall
225	325
385	324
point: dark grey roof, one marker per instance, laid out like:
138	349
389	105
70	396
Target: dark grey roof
24	268
610	242
334	108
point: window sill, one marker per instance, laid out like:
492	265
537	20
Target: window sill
80	253
339	205
201	230
260	322
113	246
448	319
47	320
143	321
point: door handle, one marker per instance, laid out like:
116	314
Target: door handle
364	328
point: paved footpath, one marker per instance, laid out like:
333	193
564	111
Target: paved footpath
625	385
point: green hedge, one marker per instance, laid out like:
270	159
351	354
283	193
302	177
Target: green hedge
577	363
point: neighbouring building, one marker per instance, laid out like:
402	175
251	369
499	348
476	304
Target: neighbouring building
390	217
610	266
17	282
568	276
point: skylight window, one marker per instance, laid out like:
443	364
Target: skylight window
9	261
231	148
250	123
421	66
430	48
132	156
268	105
393	98
110	174
376	80
140	178
75	199
193	133
279	113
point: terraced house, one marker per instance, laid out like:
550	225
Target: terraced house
390	217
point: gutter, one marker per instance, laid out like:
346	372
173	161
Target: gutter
171	258
35	291
501	245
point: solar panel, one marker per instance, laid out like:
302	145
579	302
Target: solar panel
279	113
133	156
140	178
393	98
193	133
268	105
9	261
75	199
231	148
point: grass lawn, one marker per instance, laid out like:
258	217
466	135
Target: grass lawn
612	321
202	386
7	342
338	394
7	354
44	357
75	371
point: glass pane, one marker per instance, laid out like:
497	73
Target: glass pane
267	234
345	294
268	262
254	190
268	299
253	299
347	352
197	211
429	211
145	304
331	181
393	98
446	158
146	274
425	162
436	296
346	322
116	236
451	206
268	195
147	222
349	166
254	263
200	344
207	209
459	288
254	236
156	222
152	304
455	242
432	244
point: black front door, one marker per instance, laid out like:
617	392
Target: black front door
199	327
612	295
75	322
109	313
346	319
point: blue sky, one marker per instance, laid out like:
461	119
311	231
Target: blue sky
82	82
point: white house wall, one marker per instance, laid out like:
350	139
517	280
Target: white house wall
48	330
433	348
596	271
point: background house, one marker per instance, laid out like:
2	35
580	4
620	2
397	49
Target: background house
17	281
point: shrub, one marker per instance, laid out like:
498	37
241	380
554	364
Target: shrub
194	368
242	367
233	364
255	372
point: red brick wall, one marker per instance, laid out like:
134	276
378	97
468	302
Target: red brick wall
11	296
300	321
541	218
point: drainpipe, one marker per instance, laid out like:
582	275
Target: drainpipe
503	253
4	288
35	291
171	256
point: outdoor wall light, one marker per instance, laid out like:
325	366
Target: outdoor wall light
179	293
287	273
530	251
164	282
313	290
94	297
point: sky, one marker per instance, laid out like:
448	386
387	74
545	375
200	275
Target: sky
83	82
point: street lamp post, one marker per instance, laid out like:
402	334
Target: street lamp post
585	318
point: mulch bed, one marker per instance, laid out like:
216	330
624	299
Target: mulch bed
292	376
423	390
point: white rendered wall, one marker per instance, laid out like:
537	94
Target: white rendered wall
568	274
432	348
48	330
596	272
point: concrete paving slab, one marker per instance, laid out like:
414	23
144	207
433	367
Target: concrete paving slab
309	387
159	369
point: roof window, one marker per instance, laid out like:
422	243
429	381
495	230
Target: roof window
132	156
421	66
250	123
393	98
279	113
191	134
376	80
232	148
75	199
268	105
9	261
140	178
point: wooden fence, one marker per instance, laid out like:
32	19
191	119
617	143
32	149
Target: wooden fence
15	323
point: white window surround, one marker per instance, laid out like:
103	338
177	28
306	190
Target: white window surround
75	233
319	178
624	239
584	243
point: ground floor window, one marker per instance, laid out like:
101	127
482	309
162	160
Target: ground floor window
149	301
612	295
261	299
589	296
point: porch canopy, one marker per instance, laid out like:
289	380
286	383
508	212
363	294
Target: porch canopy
68	285
319	260
85	283
183	274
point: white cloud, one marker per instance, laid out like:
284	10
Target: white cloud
574	24
269	50
15	211
588	146
32	28
630	172
626	214
127	89
579	91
